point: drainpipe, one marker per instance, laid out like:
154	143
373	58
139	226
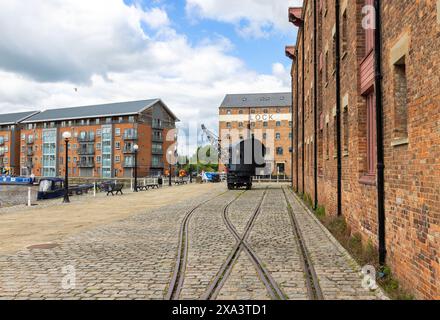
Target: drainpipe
379	136
291	130
303	101
338	104
315	98
297	122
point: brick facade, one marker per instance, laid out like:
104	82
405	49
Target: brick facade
149	129
411	117
270	124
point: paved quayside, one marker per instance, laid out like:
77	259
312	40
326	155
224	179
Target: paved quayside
218	244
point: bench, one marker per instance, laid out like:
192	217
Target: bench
114	189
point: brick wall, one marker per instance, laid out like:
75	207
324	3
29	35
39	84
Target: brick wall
411	104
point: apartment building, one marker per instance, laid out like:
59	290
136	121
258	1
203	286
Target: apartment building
366	125
268	116
102	140
9	141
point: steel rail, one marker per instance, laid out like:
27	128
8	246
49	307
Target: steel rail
313	288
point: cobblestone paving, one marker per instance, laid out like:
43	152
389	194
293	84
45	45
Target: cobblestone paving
209	245
273	240
243	283
130	259
338	274
134	258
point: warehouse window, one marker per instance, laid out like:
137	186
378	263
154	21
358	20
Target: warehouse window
327	67
400	101
280	151
228	125
371	133
278	136
327	131
344	32
335	137
346	129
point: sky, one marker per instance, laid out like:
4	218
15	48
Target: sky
189	53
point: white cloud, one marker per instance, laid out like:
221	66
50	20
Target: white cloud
49	48
252	18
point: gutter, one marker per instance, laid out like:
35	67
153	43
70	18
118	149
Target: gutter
303	102
379	136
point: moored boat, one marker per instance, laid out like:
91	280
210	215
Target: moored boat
10	180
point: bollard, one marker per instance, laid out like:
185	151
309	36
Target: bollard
131	184
29	197
94	189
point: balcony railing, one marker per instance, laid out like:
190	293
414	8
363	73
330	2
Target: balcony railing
86	138
86	151
128	164
130	136
158	165
128	150
30	152
30	140
2	153
157	139
86	164
157	126
2	141
157	151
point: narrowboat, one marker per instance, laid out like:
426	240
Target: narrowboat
50	188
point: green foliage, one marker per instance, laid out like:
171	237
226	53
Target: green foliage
320	211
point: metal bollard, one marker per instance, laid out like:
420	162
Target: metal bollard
94	189
29	203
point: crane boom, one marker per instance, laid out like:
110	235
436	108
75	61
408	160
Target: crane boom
216	144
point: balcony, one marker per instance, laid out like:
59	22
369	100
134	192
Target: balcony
2	141
86	151
86	137
130	136
30	140
157	152
30	152
157	138
2	153
128	150
157	165
128	164
157	126
86	164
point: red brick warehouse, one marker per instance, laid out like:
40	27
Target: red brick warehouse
366	126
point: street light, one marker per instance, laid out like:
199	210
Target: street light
170	153
135	148
67	135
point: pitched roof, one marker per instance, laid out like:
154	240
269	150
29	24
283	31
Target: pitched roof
97	111
14	118
257	100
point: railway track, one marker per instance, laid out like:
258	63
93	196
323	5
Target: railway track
176	283
271	286
313	288
273	289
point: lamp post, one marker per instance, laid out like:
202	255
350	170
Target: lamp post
67	135
170	153
136	149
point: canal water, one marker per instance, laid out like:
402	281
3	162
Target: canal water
16	195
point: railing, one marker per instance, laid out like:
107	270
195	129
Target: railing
157	151
130	136
128	164
157	139
2	141
30	152
86	164
157	165
30	140
86	151
157	126
128	150
86	138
